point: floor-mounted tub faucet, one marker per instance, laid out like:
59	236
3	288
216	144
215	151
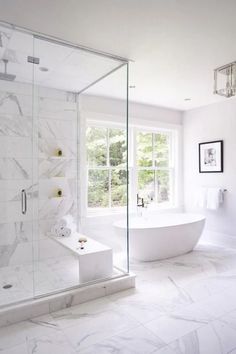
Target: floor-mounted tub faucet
140	204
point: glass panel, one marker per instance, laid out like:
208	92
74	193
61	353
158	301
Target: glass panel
43	153
161	150
16	160
96	146
146	188
98	189
118	188
105	201
163	186
117	148
71	184
144	149
56	265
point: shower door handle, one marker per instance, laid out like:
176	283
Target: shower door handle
23	201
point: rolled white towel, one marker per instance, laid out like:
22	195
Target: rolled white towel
65	232
56	229
61	223
69	220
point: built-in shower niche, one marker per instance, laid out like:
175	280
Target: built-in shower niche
43	151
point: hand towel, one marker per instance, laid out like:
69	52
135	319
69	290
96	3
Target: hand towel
201	197
214	198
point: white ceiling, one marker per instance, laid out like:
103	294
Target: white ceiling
175	44
61	67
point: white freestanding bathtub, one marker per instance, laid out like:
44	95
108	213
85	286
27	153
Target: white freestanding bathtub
161	236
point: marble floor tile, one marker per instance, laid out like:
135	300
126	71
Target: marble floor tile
140	307
194	313
170	328
214	338
183	305
166	350
20	332
198	290
152	300
78	314
19	349
102	326
49	345
135	341
229	319
220	304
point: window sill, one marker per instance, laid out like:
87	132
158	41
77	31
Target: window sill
91	213
105	212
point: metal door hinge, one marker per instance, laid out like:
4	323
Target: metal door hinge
33	60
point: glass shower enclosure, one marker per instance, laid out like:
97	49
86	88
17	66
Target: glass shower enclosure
63	165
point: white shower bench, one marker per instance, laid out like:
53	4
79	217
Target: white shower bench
95	260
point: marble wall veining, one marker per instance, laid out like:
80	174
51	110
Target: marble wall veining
34	124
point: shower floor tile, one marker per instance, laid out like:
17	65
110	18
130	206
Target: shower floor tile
27	281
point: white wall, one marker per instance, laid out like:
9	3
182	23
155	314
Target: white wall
136	110
213	122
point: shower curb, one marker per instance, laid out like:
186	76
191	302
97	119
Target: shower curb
45	305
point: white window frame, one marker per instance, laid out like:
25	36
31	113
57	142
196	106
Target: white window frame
170	168
108	121
106	167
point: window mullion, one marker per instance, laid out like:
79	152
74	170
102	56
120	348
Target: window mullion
109	185
154	171
109	167
135	166
153	163
108	148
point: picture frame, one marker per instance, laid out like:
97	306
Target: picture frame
211	157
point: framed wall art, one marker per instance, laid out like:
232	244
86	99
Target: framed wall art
211	157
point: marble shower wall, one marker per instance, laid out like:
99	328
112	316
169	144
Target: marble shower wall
33	126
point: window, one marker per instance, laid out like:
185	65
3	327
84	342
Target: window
151	170
106	160
153	163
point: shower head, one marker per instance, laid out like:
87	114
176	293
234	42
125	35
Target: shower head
5	76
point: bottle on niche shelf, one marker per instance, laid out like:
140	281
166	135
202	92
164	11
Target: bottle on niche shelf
59	193
82	240
58	152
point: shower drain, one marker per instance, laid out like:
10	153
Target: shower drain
7	286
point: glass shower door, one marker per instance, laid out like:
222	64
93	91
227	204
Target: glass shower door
55	113
16	166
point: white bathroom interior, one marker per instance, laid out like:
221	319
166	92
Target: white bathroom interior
111	180
63	168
